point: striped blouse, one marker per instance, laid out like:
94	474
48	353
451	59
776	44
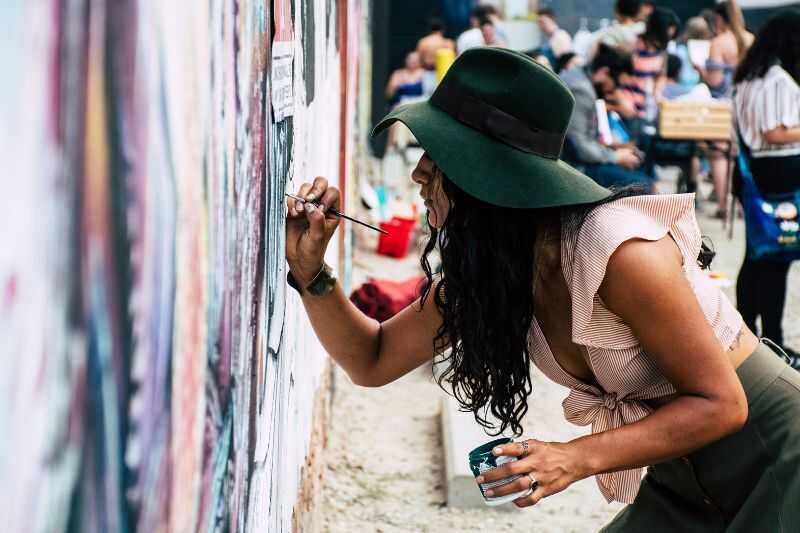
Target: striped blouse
764	104
625	374
648	64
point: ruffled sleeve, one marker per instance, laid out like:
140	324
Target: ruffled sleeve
604	230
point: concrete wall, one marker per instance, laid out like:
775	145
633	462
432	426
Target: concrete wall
155	375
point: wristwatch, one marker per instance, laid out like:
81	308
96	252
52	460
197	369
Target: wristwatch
322	284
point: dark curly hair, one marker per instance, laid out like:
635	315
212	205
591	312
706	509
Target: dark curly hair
777	43
485	298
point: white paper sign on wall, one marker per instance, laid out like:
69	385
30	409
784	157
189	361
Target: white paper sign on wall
282	87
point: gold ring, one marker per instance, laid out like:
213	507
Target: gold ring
524	448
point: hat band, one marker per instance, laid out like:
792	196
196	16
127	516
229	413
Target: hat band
496	123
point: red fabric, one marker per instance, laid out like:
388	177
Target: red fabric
381	299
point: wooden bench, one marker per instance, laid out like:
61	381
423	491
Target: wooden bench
709	121
681	124
696	121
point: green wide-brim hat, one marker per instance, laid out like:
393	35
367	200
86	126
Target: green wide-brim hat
495	126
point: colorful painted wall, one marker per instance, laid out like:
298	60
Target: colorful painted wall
155	375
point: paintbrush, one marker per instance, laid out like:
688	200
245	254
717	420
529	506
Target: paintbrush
338	214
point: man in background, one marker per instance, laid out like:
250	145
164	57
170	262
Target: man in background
558	42
608	166
435	40
489	33
626	28
473	37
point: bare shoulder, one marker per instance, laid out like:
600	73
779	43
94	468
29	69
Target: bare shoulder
641	268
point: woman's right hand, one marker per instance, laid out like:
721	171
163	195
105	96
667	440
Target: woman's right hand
308	229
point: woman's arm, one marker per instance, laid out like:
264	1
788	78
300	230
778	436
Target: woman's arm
645	286
372	354
783	135
713	77
391	87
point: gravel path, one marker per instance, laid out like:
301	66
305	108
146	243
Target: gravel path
385	470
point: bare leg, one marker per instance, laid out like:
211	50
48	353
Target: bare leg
719	172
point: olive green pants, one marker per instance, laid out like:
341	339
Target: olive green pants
746	482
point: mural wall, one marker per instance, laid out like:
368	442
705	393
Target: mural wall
155	375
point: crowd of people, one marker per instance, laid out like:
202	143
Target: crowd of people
620	75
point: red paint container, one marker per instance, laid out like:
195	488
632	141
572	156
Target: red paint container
400	231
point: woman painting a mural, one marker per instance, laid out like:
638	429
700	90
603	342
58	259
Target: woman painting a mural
602	290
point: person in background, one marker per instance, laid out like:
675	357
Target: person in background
622	100
558	41
767	103
673	88
489	33
649	58
605	165
567	61
647	8
626	28
649	62
472	37
428	45
499	28
538	55
710	17
727	48
697	29
405	83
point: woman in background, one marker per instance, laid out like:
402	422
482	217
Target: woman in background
405	85
697	29
767	101
728	47
650	56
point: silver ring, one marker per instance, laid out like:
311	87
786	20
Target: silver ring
533	480
524	448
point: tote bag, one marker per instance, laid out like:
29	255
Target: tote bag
771	220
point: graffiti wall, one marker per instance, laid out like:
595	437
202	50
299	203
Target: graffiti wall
156	375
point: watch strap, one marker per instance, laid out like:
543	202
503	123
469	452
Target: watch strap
292	282
321	284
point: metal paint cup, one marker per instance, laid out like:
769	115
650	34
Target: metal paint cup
481	460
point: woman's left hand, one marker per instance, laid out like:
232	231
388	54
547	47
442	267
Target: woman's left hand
554	466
